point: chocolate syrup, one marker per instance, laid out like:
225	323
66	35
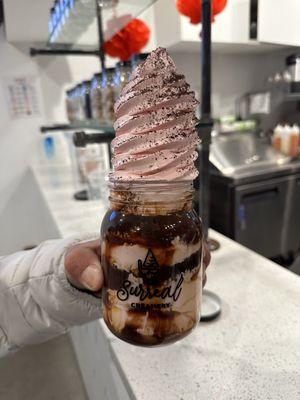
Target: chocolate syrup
152	273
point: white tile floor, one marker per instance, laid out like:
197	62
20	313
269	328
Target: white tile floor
47	371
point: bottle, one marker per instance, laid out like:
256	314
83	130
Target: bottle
277	137
151	254
294	141
285	139
96	99
56	148
108	95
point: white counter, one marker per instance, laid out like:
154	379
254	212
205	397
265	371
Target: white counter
251	352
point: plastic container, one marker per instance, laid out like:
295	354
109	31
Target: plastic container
294	141
285	140
277	137
95	170
56	149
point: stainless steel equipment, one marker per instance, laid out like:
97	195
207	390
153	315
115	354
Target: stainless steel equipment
239	154
255	195
293	65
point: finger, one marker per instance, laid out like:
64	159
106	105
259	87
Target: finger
92	244
83	267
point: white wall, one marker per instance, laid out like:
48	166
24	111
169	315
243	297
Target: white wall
232	75
18	138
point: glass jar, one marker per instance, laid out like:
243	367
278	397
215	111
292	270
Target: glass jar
51	21
94	166
96	99
138	59
71	104
85	100
78	109
108	95
68	101
57	12
151	254
122	76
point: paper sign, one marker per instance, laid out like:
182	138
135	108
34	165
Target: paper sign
22	97
260	103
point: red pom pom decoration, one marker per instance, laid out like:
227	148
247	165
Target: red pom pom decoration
192	9
128	41
218	6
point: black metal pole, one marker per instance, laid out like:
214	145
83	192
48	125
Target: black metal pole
206	59
205	125
100	35
61	52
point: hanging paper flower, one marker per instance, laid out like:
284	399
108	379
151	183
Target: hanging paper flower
192	9
128	41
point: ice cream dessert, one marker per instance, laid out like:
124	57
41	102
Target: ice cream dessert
155	124
151	239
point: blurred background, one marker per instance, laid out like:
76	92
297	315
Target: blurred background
63	64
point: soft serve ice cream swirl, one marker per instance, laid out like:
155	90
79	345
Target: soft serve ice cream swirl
156	138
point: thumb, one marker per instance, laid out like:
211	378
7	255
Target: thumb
82	266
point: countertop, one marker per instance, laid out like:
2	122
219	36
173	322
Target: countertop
251	352
254	173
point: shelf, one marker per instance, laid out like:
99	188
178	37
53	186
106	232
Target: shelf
250	47
81	28
63	49
82	125
292	97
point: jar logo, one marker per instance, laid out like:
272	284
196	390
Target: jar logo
149	271
149	268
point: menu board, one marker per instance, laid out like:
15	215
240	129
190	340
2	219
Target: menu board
22	97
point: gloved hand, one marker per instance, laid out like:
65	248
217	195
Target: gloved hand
82	266
83	269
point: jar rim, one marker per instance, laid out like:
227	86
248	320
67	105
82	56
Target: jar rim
147	182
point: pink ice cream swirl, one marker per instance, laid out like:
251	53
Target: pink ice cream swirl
156	138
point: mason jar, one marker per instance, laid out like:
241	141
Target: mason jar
69	105
85	100
151	254
96	99
78	108
122	76
137	59
108	95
